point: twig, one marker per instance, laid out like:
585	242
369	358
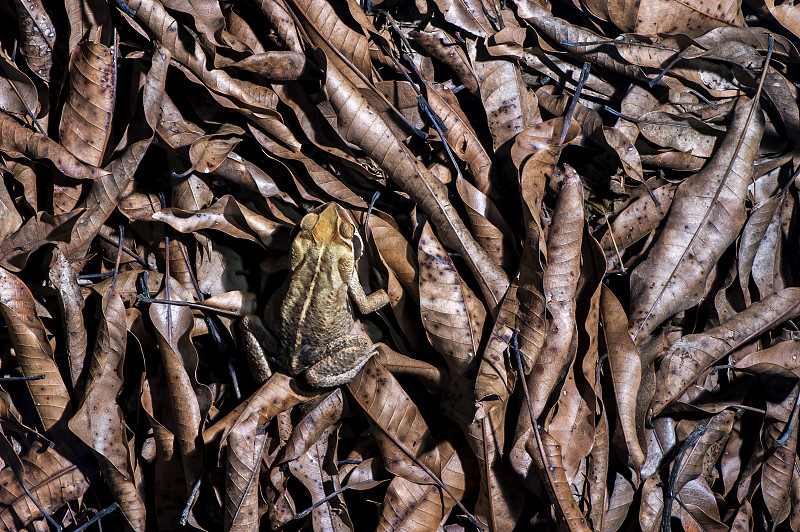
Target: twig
623	116
190	502
28	378
331	496
664	72
534	425
575	97
168	289
125	8
669	487
138	258
19	96
39	506
147	299
616	42
99	515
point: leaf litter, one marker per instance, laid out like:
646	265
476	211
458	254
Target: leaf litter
584	215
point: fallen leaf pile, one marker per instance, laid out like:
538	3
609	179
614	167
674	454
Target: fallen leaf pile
585	216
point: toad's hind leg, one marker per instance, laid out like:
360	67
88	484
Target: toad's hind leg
344	357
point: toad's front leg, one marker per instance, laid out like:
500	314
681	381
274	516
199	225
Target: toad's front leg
258	343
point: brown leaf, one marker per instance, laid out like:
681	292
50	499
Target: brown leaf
778	469
279	66
50	476
170	483
466	15
86	119
316	469
420	507
691	355
635	222
510	106
312	428
16	139
176	39
556	480
752	236
360	122
38	37
17	91
173	326
560	288
327	30
34	352
99	420
208	152
668	16
698	508
626	371
490	229
684	135
106	192
705	217
452	315
407	439
229	216
461	137
444	48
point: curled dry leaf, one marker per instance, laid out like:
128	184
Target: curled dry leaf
17	139
407	442
208	152
99	420
51	477
691	355
440	125
706	215
560	289
38	37
452	315
626	371
34	352
86	119
635	222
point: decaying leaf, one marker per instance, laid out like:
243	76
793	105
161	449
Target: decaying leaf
588	242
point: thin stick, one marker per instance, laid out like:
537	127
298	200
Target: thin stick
19	96
28	378
664	72
138	258
331	496
39	506
615	42
190	502
99	515
575	97
168	289
146	299
534	424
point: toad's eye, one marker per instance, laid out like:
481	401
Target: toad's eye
309	221
346	229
